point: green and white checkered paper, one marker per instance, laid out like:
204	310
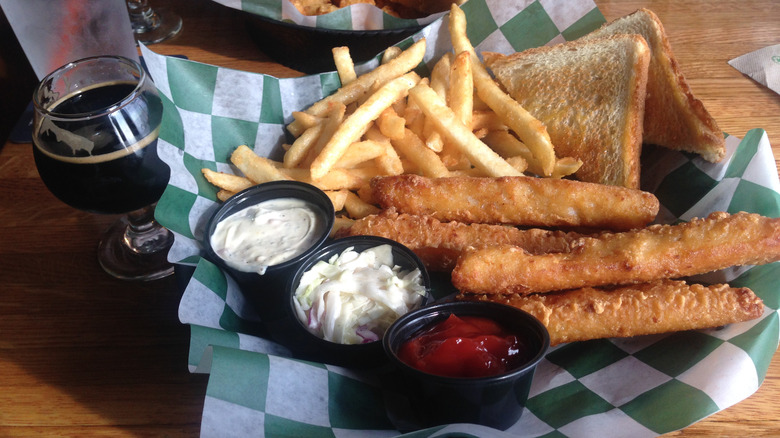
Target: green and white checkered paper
638	387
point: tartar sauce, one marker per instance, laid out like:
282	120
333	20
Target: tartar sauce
354	297
266	234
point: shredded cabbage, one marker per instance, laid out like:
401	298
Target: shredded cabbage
354	297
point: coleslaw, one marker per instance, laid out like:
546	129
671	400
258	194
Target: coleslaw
355	296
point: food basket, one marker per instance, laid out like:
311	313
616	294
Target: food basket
636	387
304	43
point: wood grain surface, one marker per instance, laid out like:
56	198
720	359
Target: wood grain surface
82	354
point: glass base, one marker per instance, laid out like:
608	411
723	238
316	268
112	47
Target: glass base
128	254
163	24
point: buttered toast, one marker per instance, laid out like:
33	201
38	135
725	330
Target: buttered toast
674	117
590	94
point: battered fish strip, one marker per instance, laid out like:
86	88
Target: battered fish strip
438	244
656	252
522	200
647	308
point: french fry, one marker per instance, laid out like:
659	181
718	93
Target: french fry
460	97
426	161
258	169
300	148
480	133
531	130
296	129
461	88
364	173
391	124
340	223
400	107
360	152
507	145
336	179
224	195
401	64
479	104
373	133
453	158
337	198
305	120
344	65
487	120
333	119
439	82
566	166
434	142
528	128
388	163
366	194
357	208
477	152
390	53
518	163
433	139
357	123
413	116
440	75
415	119
226	181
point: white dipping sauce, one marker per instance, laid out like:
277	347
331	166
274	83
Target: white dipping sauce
267	234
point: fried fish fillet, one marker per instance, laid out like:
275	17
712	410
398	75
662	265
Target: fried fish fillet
660	251
525	201
438	244
648	308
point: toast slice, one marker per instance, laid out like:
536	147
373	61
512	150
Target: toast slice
591	97
674	117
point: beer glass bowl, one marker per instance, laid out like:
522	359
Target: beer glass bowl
95	128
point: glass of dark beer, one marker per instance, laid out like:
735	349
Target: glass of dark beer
95	128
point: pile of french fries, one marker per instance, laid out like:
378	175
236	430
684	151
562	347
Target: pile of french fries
390	121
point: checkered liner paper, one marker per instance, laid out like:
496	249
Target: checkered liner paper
635	387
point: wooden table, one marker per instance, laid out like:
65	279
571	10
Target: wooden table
83	354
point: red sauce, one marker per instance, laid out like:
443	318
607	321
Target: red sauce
464	346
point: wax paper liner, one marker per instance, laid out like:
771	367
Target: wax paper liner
356	17
635	387
762	65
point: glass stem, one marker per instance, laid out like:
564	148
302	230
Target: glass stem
142	16
143	234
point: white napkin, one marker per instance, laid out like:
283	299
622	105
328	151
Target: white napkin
763	66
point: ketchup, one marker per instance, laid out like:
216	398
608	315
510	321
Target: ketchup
464	346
